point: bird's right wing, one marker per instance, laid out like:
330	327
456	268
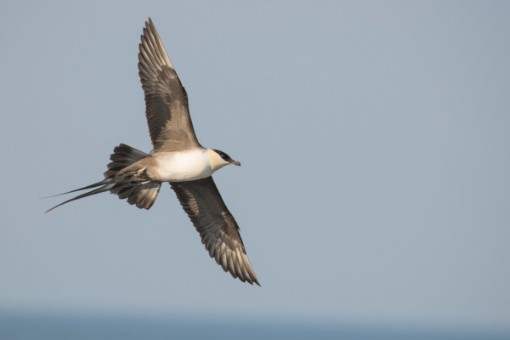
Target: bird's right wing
217	227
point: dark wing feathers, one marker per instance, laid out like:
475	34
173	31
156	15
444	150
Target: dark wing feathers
217	227
166	101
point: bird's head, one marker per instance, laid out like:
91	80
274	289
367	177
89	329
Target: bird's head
219	159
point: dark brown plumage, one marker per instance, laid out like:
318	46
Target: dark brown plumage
217	227
166	101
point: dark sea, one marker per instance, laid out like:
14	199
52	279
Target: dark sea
38	326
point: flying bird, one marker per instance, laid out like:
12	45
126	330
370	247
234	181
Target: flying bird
178	158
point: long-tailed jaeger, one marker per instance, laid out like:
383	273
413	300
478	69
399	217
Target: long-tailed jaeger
177	158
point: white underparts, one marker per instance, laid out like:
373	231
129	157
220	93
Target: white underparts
181	166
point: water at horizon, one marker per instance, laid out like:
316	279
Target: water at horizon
34	326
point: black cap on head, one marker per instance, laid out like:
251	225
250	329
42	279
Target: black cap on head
226	157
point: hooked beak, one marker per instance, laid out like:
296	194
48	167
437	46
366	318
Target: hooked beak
236	163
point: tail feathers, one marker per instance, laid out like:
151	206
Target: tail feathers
123	156
104	185
141	194
94	185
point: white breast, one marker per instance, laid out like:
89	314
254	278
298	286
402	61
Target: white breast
181	166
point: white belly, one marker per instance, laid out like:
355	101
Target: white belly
182	166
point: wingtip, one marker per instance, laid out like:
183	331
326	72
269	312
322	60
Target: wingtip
253	279
149	24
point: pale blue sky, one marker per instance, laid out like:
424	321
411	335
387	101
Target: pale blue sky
374	141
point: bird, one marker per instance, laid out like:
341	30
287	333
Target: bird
178	158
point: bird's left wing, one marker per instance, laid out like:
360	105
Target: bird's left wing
166	101
217	227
